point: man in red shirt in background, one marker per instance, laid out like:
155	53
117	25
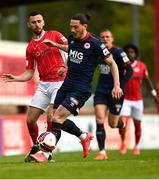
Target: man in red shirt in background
133	100
49	62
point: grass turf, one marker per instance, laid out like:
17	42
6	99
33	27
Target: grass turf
73	166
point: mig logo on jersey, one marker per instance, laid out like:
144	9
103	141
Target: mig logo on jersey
75	56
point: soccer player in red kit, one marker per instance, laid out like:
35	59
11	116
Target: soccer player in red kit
49	62
133	100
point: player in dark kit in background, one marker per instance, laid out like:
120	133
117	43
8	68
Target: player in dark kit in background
84	49
103	100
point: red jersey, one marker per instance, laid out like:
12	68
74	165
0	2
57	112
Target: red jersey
133	87
48	59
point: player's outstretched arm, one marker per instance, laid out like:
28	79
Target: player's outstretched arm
150	86
54	44
117	91
27	75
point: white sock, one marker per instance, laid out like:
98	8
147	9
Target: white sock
83	136
102	151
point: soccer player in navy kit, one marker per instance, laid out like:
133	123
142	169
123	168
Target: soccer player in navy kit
103	99
84	49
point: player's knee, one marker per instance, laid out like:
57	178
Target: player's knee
99	120
31	120
56	119
112	124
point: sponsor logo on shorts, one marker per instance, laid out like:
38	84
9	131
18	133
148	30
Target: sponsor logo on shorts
118	107
74	102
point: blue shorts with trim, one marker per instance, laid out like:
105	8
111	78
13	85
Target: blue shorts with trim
71	100
114	105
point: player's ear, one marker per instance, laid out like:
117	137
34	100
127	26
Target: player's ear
85	25
43	23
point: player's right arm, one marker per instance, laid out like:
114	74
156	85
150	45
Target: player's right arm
50	43
26	76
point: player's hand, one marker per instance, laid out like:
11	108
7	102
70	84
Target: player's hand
117	92
49	43
8	77
61	71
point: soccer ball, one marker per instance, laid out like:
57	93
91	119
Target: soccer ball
46	141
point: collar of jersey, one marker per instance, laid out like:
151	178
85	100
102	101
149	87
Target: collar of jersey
86	36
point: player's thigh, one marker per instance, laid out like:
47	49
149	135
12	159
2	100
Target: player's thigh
33	114
75	100
100	107
137	112
126	108
54	87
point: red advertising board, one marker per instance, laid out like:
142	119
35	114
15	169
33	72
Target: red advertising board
15	138
18	93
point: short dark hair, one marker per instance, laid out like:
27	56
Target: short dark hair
34	13
83	18
131	46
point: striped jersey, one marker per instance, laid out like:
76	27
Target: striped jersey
47	59
133	86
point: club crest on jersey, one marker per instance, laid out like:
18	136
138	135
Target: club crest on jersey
37	54
87	45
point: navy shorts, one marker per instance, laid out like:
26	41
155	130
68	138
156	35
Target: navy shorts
114	105
71	100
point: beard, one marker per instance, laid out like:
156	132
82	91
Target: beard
38	32
78	35
132	59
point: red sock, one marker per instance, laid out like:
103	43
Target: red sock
122	134
33	131
137	125
49	125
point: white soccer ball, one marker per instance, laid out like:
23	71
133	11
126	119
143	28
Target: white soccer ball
47	141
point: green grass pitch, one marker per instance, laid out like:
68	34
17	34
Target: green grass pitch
73	166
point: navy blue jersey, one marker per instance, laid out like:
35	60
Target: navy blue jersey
82	60
106	82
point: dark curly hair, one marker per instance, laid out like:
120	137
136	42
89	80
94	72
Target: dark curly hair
131	46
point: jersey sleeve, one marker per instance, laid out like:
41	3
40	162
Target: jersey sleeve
146	74
102	51
124	58
30	63
60	38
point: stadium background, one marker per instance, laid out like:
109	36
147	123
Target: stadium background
129	23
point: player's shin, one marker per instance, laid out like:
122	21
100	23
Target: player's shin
56	130
70	127
101	135
33	131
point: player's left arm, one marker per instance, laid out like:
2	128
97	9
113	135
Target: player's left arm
127	67
117	91
150	85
